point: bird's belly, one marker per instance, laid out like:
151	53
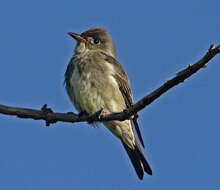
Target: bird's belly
87	96
89	99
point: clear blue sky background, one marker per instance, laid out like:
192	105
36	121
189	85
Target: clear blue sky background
154	40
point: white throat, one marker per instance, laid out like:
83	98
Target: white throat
80	48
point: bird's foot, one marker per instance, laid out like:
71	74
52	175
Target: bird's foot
97	116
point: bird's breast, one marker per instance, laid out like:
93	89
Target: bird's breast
94	86
86	88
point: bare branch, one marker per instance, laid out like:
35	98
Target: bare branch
51	117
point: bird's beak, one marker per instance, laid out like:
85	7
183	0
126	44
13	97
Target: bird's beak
77	37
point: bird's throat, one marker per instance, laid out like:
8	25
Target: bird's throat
80	48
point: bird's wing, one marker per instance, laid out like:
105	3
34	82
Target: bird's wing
69	88
124	86
68	73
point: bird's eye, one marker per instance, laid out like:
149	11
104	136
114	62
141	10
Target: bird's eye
96	41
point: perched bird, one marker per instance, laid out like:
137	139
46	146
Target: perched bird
95	80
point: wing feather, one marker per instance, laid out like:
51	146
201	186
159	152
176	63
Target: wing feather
124	86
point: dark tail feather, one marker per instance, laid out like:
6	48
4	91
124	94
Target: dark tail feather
138	131
138	160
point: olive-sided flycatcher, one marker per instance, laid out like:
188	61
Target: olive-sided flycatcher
96	81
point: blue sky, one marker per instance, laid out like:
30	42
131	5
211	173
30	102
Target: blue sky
154	40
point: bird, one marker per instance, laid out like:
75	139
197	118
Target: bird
95	80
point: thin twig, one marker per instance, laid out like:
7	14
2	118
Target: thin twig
51	117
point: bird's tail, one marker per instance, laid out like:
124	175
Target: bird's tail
138	160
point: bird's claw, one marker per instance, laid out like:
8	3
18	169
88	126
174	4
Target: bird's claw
96	115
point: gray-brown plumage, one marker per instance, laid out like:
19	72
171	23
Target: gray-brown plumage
95	80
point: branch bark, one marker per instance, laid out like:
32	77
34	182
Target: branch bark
51	117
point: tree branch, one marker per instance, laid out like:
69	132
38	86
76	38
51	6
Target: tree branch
51	117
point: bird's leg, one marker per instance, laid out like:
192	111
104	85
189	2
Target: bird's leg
97	115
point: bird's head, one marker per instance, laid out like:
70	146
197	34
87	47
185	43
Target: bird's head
94	39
